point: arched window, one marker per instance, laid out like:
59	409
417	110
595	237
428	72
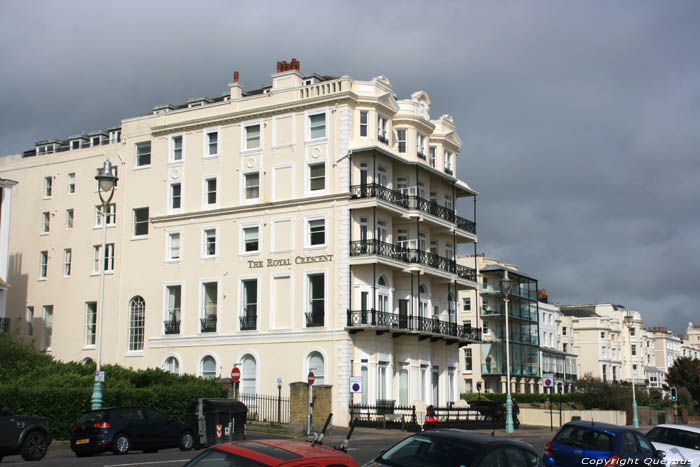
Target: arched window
248	372
208	367
137	319
87	361
382	281
317	366
172	365
422	289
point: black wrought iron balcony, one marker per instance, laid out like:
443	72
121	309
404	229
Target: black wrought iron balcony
314	319
410	256
421	155
411	324
465	224
373	190
208	323
448	171
172	326
248	322
382	139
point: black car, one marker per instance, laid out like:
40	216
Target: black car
456	448
28	436
489	409
121	429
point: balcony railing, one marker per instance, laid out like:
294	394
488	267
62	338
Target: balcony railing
418	324
208	323
410	256
248	322
373	190
448	171
420	155
314	319
172	326
382	139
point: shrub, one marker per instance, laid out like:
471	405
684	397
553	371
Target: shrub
32	383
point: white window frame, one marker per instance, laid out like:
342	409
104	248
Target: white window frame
307	360
45	222
137	165
170	198
244	140
98	258
95	140
70	218
115	136
73	145
166	304
244	200
164	365
48	187
30	320
307	176
71	183
307	125
258	290
383	129
307	296
205	134
201	312
205	192
203	252
241	236
169	247
420	144
171	149
67	261
403	141
307	231
365	125
86	343
133	223
48	327
200	371
43	264
273	238
111	215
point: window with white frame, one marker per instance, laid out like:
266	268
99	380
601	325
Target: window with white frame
317	365
174	246
466	304
317	177
140	222
175	195
434	247
48	187
252	136
433	156
382	393
108	258
71	183
252	186
143	153
402	238
315	315
95	140
248	375
75	144
172	365
209	243
90	322
45	222
363	123
317	232
382	129
69	219
449	251
251	239
114	136
403	383
381	231
137	322
176	150
468	359
317	125
211	141
208	367
210	199
448	202
420	146
401	140
43	264
448	162
67	258
30	320
48	326
382	176
111	214
249	304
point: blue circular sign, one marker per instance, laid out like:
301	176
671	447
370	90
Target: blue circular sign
548	382
355	387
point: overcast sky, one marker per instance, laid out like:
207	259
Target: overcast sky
580	119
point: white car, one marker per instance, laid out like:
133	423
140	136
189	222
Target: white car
681	443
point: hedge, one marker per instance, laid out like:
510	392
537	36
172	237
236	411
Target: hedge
32	383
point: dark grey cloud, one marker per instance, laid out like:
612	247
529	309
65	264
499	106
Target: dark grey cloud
580	119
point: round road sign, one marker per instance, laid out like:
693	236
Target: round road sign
548	383
312	378
236	374
355	387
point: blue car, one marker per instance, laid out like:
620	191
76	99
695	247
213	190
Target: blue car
601	444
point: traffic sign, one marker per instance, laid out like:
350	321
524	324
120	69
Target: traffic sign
312	377
355	384
279	381
218	431
99	376
548	383
236	374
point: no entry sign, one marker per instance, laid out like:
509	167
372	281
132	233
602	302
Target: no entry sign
312	377
236	374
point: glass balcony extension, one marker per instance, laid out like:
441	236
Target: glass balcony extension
524	311
410	256
524	359
412	202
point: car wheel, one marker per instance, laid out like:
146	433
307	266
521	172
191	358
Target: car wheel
121	444
34	446
186	441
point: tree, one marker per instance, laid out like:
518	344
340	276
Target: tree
685	373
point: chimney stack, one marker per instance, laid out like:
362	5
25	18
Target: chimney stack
284	66
235	76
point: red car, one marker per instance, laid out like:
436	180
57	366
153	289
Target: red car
272	452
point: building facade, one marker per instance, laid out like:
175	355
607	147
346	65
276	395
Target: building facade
309	225
556	364
6	187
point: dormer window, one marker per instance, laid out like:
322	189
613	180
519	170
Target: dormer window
45	149
75	144
95	141
114	136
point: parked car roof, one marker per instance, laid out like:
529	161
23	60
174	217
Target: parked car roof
469	437
599	426
680	427
298	450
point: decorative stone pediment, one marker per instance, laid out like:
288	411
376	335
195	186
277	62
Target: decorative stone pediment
389	101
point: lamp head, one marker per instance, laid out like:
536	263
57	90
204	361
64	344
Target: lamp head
506	284
106	177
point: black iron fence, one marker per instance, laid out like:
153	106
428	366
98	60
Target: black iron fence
248	322
397	322
172	326
467	418
269	409
385	414
208	323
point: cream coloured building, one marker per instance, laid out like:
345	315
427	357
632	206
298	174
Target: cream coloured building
307	225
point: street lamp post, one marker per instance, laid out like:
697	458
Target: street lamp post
506	285
635	420
107	180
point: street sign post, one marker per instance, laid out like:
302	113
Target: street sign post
99	376
311	378
356	384
279	400
235	378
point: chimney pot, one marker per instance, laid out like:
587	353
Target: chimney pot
235	76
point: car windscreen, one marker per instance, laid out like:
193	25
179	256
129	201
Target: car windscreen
583	438
217	458
675	437
272	451
90	417
424	451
